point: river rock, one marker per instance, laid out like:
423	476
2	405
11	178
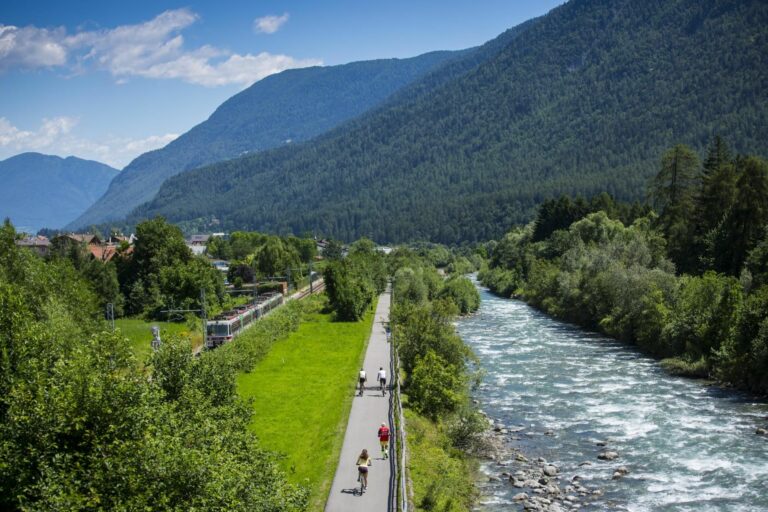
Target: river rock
608	456
520	497
543	480
520	458
585	464
601	443
761	432
494	479
549	470
549	433
623	470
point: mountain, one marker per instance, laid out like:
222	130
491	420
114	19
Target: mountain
584	100
48	191
281	109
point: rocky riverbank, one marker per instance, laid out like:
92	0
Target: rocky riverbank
542	485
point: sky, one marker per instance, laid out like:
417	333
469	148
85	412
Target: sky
108	81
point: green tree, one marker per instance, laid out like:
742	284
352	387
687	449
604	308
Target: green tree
435	387
334	250
349	290
744	225
463	293
672	192
275	257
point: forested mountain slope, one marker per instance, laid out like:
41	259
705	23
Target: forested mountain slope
39	191
585	100
291	106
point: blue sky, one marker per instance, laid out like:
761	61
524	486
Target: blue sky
110	80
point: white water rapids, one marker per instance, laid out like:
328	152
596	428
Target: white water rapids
688	446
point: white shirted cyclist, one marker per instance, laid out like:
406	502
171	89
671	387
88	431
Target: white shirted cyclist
361	378
382	378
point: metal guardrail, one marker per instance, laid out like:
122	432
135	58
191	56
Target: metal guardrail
401	471
398	491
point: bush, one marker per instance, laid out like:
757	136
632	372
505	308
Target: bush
435	387
463	293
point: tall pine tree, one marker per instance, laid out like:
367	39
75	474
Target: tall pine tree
744	225
672	193
715	197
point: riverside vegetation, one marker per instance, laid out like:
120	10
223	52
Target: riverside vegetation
687	282
444	429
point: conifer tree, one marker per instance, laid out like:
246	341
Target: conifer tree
743	227
672	192
715	197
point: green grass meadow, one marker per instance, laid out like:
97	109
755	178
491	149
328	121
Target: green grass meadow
140	335
302	392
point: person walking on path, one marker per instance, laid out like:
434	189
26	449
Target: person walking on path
363	461
384	440
362	378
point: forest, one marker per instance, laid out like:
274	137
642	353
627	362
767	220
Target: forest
582	101
685	280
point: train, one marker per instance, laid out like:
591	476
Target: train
226	326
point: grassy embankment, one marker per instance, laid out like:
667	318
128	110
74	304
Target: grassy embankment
442	476
139	333
302	392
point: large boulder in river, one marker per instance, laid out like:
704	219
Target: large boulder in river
761	432
608	455
549	470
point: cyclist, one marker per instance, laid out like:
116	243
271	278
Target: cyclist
362	378
363	461
384	440
382	378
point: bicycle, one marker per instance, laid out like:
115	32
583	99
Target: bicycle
362	388
383	386
361	481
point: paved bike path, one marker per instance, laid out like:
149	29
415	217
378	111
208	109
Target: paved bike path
365	418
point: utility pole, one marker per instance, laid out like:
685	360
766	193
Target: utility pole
203	315
288	273
311	290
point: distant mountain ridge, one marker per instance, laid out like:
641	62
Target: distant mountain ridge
284	108
40	191
584	100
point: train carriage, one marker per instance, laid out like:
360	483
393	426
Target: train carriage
227	325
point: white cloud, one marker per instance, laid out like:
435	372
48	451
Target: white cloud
269	24
31	47
153	49
56	136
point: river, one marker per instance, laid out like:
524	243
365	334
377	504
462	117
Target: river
688	446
